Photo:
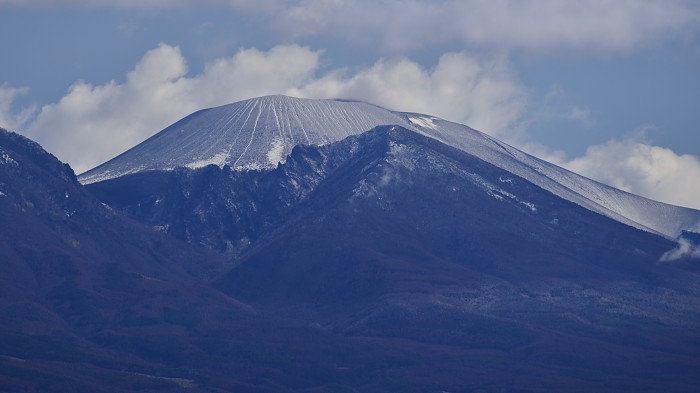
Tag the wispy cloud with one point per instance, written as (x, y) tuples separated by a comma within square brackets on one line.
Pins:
[(250, 5), (607, 25), (127, 28), (580, 114), (397, 26), (684, 250), (9, 118)]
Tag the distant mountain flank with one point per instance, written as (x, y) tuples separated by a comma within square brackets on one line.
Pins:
[(260, 132)]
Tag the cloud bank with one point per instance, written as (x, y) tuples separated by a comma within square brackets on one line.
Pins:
[(476, 91), (93, 123), (397, 26), (607, 25), (635, 165), (639, 167)]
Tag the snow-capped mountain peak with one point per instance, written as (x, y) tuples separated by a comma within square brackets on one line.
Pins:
[(260, 132)]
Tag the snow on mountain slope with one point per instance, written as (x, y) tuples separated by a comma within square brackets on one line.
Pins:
[(251, 134), (260, 132), (634, 210)]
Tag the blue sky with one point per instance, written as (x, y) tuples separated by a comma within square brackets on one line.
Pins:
[(608, 88)]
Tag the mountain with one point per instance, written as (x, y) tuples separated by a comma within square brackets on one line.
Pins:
[(78, 280), (406, 238), (395, 211), (462, 275), (93, 301), (260, 132), (414, 256)]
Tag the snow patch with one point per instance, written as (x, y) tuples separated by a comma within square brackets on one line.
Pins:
[(161, 228), (501, 194), (253, 166), (5, 159), (218, 160), (402, 155), (424, 122), (276, 153), (508, 180), (530, 206), (364, 189)]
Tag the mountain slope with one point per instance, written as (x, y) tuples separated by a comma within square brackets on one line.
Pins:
[(393, 195), (462, 274), (387, 261), (91, 301), (251, 134), (260, 132), (405, 238)]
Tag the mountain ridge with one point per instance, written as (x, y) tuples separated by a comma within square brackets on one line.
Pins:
[(259, 132)]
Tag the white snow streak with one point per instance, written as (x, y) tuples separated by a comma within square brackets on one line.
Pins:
[(218, 160), (425, 122), (276, 153), (252, 135)]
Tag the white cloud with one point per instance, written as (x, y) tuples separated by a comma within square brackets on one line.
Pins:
[(537, 149), (92, 124), (239, 5), (8, 118), (685, 249), (580, 114), (461, 88), (639, 167), (544, 25), (395, 26)]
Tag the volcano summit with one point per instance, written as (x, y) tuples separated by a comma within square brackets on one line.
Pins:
[(259, 133)]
